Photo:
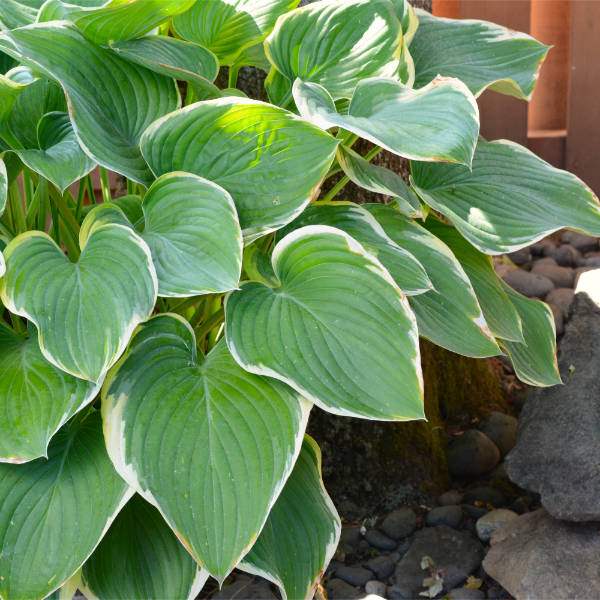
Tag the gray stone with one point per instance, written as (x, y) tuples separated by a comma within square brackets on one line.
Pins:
[(465, 594), (377, 588), (445, 515), (487, 524), (583, 243), (560, 276), (539, 248), (380, 540), (450, 497), (529, 284), (591, 261), (383, 566), (456, 553), (521, 257), (400, 523), (499, 473), (536, 556), (473, 511), (567, 256), (558, 443), (502, 430), (337, 589), (485, 494), (354, 575), (548, 259), (559, 318), (350, 535), (472, 453), (251, 588), (561, 297)]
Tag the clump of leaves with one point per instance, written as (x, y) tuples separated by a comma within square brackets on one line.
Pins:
[(160, 351)]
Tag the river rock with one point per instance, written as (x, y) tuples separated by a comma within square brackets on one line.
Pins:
[(338, 589), (383, 566), (456, 553), (561, 297), (535, 556), (567, 256), (529, 284), (450, 497), (400, 523), (380, 540), (493, 520), (560, 276), (558, 442), (583, 243), (464, 593), (502, 430), (354, 575), (252, 588), (486, 494), (445, 515), (472, 453), (559, 318), (521, 257), (377, 588)]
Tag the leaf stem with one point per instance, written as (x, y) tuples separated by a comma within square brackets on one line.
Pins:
[(16, 207), (215, 319), (233, 75), (5, 231), (90, 189), (106, 197)]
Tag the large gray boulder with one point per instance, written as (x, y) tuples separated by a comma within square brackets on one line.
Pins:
[(536, 556), (558, 445)]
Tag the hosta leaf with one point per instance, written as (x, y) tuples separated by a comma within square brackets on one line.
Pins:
[(268, 159), (337, 44), (12, 85), (255, 56), (449, 315), (479, 53), (337, 324), (3, 186), (379, 180), (111, 101), (406, 270), (140, 558), (36, 398), (200, 438), (116, 20), (509, 200), (60, 159), (534, 359), (439, 122), (85, 312), (54, 512), (499, 312), (174, 58), (408, 20), (16, 13), (228, 26), (301, 533)]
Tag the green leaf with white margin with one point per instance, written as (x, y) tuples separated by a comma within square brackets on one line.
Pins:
[(140, 558), (227, 27), (480, 53), (336, 324), (191, 227), (116, 20), (408, 20), (449, 315), (379, 180), (12, 85), (209, 444), (17, 13), (405, 269), (54, 512), (439, 122), (303, 523), (509, 200), (68, 590), (60, 159), (85, 312), (534, 360), (499, 312), (36, 398), (268, 159), (3, 186), (168, 56), (337, 44), (111, 101)]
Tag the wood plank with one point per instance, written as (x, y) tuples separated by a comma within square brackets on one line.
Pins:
[(445, 8)]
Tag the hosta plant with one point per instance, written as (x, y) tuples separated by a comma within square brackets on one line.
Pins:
[(161, 348)]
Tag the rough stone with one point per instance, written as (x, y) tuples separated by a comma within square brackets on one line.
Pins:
[(485, 494), (560, 276), (456, 553), (465, 594), (383, 566), (487, 524), (536, 556), (583, 243), (354, 575), (567, 256), (502, 430), (400, 523), (378, 588), (559, 318), (529, 284), (558, 443), (337, 589), (380, 540), (445, 515), (561, 297), (450, 497), (472, 453), (252, 588)]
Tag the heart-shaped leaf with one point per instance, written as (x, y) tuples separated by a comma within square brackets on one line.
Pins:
[(59, 158), (379, 180), (479, 53), (140, 557), (54, 512), (400, 119), (407, 271), (331, 329), (303, 523), (268, 159), (200, 438), (449, 315), (12, 85), (36, 398), (115, 20), (509, 200), (85, 312), (228, 26), (337, 44), (191, 227), (111, 101)]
